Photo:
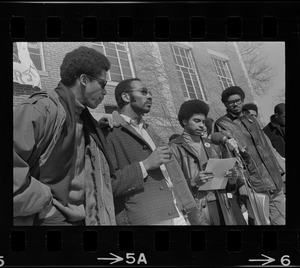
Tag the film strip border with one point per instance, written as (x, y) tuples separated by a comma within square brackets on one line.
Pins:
[(234, 21), (157, 247), (143, 21)]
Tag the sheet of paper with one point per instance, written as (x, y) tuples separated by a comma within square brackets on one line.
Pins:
[(219, 167)]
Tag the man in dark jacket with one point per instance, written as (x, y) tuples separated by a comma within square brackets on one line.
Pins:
[(192, 151), (264, 170), (150, 189), (61, 166), (275, 130)]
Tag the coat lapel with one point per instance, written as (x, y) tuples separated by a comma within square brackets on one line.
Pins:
[(94, 130), (120, 122)]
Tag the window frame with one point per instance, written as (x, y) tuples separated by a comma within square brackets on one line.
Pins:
[(127, 51), (191, 71), (42, 57)]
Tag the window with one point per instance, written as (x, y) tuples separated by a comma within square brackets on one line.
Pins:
[(223, 73), (119, 57), (36, 55), (187, 73), (110, 108)]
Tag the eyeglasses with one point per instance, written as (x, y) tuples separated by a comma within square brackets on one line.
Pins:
[(145, 91), (237, 102), (101, 82)]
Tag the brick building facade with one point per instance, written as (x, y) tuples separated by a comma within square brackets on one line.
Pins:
[(174, 71)]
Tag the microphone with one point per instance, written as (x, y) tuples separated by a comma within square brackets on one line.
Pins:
[(218, 138)]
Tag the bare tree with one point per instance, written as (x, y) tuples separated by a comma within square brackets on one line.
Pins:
[(150, 69), (280, 97), (259, 70)]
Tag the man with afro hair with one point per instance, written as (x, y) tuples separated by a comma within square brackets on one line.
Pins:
[(62, 171), (192, 151)]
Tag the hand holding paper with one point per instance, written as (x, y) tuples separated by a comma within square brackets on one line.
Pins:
[(219, 167), (202, 177)]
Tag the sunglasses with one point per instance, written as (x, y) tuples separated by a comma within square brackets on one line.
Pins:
[(144, 91), (101, 82)]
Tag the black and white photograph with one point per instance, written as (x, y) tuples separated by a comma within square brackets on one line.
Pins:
[(148, 133)]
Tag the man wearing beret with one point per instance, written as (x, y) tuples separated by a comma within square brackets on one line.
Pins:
[(262, 165)]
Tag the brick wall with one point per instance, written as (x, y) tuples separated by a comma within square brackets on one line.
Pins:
[(208, 75), (157, 71), (21, 92)]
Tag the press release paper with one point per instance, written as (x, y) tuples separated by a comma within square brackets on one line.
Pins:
[(219, 167)]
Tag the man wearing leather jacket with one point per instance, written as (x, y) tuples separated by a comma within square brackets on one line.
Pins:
[(192, 151), (263, 168)]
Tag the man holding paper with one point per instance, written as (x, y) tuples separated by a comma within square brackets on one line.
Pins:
[(214, 195)]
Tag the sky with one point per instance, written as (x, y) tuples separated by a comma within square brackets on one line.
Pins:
[(275, 55)]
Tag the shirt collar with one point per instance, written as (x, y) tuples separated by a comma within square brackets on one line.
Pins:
[(132, 122), (191, 138)]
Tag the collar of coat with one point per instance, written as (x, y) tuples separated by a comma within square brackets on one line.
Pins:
[(207, 145), (119, 121)]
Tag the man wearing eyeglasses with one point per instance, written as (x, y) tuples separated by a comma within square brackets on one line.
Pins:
[(61, 166), (264, 169), (150, 188)]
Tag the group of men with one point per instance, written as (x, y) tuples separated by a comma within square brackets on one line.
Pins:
[(70, 170)]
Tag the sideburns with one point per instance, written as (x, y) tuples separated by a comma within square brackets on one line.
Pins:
[(132, 98)]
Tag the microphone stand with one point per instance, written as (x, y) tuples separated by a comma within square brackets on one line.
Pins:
[(252, 198)]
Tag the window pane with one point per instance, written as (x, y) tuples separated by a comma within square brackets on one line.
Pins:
[(127, 77), (224, 80), (181, 52), (126, 71), (125, 63), (185, 63), (123, 48), (123, 55), (176, 50), (185, 94), (186, 76), (196, 84), (218, 71), (115, 77), (179, 61), (109, 45), (115, 69), (175, 59), (188, 82), (33, 47), (113, 60), (36, 59), (223, 72), (111, 52), (184, 70), (226, 72), (99, 48), (192, 96)]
